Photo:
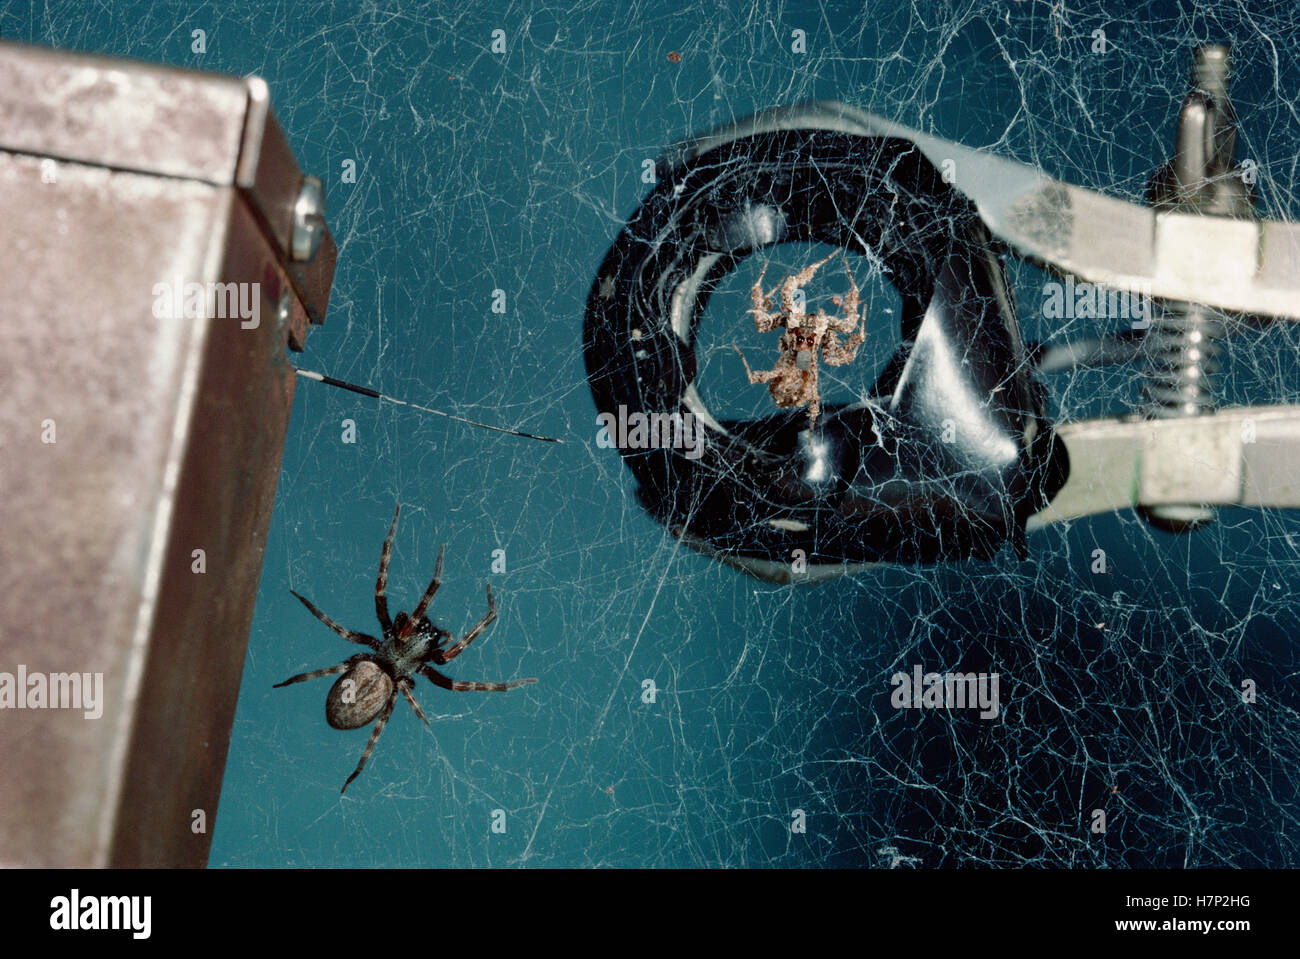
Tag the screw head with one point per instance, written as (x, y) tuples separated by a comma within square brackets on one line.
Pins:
[(308, 220)]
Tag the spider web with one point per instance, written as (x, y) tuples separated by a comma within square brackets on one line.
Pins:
[(480, 171)]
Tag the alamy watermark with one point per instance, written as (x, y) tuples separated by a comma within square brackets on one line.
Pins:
[(84, 691), (922, 690), (179, 300), (648, 431), (1071, 300), (76, 912)]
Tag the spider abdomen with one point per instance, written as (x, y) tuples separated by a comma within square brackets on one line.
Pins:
[(357, 697)]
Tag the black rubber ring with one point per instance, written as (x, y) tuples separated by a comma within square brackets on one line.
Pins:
[(861, 193)]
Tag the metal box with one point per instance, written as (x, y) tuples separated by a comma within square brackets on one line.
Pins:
[(140, 443)]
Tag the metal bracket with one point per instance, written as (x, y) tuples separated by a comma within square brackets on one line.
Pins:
[(141, 443)]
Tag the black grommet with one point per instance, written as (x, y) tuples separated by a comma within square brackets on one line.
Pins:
[(943, 472)]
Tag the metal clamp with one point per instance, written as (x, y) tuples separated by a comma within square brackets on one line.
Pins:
[(1198, 251)]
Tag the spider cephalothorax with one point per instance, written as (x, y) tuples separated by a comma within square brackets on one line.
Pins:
[(793, 381), (368, 688)]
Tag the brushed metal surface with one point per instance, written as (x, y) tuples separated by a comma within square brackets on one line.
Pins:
[(166, 437)]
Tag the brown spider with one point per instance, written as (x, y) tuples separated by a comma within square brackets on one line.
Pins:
[(370, 682), (793, 381)]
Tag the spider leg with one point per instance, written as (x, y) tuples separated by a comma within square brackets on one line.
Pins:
[(766, 322), (315, 674), (852, 300), (360, 639), (762, 301), (849, 322), (841, 354), (380, 723), (426, 599), (798, 280), (838, 354), (381, 584), (764, 319), (761, 377), (460, 686), (441, 656), (405, 686)]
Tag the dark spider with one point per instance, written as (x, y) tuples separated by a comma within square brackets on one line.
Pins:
[(371, 681)]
